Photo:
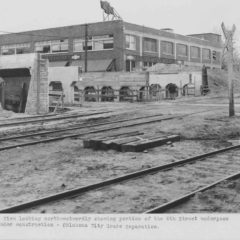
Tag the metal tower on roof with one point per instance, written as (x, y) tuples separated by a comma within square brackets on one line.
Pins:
[(109, 13)]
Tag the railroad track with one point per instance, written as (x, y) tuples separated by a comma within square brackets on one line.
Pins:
[(145, 190), (43, 119), (38, 137), (28, 139), (174, 204)]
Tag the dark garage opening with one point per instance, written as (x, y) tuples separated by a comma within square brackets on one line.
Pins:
[(14, 89)]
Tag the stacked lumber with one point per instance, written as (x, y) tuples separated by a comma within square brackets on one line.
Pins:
[(128, 141)]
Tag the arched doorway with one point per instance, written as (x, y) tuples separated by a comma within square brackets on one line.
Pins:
[(90, 94), (107, 94), (125, 94), (171, 91)]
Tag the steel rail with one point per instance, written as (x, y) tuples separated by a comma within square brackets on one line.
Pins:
[(176, 202), (30, 117), (50, 119), (76, 128), (123, 178), (83, 126), (79, 134)]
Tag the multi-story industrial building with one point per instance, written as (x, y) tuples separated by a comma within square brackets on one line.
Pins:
[(115, 46)]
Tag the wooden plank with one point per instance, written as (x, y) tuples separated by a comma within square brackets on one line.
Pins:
[(94, 142), (141, 145), (116, 144)]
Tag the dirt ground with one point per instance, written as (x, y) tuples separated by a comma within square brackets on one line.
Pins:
[(224, 198), (36, 171)]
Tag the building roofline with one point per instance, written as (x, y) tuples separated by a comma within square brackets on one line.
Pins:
[(59, 27), (204, 33), (170, 33)]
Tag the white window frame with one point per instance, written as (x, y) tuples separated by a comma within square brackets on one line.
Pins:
[(132, 42), (62, 42), (15, 47), (91, 42)]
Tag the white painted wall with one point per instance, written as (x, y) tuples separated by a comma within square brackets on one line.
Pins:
[(180, 79), (66, 75), (17, 61)]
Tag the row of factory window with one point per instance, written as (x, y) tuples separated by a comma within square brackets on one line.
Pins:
[(151, 45), (94, 43), (105, 42)]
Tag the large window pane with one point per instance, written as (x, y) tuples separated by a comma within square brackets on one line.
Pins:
[(150, 45), (167, 48), (95, 43), (206, 54), (52, 46), (15, 49), (108, 44), (182, 50), (130, 42), (77, 46), (195, 52)]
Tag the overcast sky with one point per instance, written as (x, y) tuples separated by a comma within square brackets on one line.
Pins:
[(184, 16)]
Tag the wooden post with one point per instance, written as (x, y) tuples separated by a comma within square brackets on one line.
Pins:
[(86, 48), (228, 34), (38, 79), (3, 95)]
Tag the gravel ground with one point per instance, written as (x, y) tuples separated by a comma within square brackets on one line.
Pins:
[(36, 171), (224, 198)]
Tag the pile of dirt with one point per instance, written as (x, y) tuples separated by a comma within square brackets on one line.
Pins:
[(172, 68), (7, 114), (218, 81)]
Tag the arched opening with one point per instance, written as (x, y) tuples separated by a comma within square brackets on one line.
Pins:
[(125, 94), (14, 86), (155, 90), (55, 86), (90, 94), (107, 94), (171, 91)]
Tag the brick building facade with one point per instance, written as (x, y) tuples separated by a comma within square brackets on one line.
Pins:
[(115, 46)]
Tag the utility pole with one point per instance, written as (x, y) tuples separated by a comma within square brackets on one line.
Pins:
[(228, 34), (86, 48)]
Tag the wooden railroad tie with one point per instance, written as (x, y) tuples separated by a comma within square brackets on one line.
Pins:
[(128, 142)]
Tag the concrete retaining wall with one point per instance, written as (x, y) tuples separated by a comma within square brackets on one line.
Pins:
[(37, 99), (180, 79)]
